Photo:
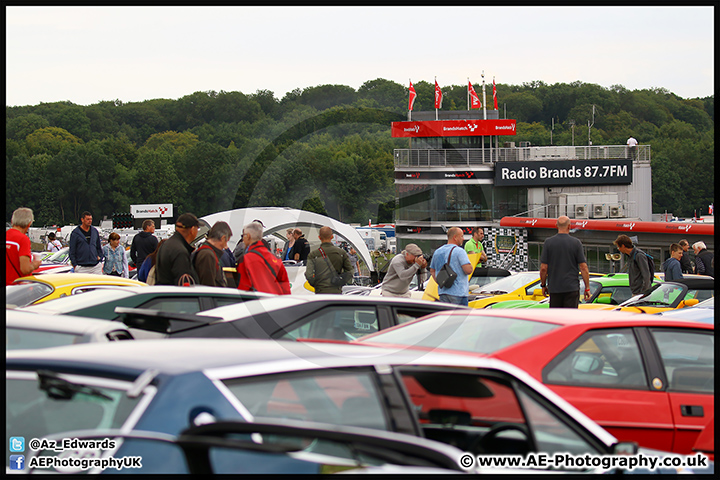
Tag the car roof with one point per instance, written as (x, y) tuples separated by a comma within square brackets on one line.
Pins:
[(700, 283), (278, 302), (68, 324), (569, 317)]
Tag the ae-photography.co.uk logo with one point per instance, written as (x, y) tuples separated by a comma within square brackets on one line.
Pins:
[(17, 444)]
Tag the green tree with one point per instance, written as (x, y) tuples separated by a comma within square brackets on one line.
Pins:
[(50, 140)]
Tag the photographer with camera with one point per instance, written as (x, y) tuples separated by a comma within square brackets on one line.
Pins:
[(401, 270)]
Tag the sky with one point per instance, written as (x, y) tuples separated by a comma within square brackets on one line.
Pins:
[(90, 54)]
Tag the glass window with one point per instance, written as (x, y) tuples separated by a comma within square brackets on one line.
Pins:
[(344, 399), (469, 333), (336, 324), (173, 305), (462, 409), (25, 293), (688, 358), (511, 283), (32, 413), (17, 338), (599, 358), (552, 435)]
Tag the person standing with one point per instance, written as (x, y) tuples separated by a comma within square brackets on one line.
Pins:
[(686, 265), (561, 259), (474, 245), (144, 243), (457, 293), (301, 247), (671, 267), (632, 147), (85, 250), (207, 258), (259, 269), (18, 248), (54, 244), (172, 263), (401, 271), (327, 262), (354, 262), (116, 262), (289, 242), (639, 273), (704, 264)]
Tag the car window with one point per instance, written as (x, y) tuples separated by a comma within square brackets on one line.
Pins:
[(16, 338), (405, 315), (613, 295), (664, 295), (688, 359), (511, 283), (599, 358), (230, 300), (25, 293), (173, 304), (349, 398), (552, 435), (701, 295), (469, 333), (33, 413), (483, 414), (346, 323)]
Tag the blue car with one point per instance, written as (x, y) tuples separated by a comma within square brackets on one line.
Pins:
[(167, 387)]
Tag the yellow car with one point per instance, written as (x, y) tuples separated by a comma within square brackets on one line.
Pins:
[(520, 286), (41, 288), (663, 297)]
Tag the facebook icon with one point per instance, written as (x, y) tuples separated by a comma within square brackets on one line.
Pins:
[(17, 462)]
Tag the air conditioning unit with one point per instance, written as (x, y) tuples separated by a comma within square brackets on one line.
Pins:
[(599, 211), (616, 211), (581, 211)]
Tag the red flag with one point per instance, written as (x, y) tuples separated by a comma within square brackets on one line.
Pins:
[(438, 96), (494, 94), (474, 99), (412, 97)]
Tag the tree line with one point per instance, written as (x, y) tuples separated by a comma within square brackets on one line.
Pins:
[(325, 149)]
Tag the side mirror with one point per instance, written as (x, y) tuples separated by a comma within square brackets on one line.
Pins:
[(625, 448), (689, 302), (538, 292), (605, 300)]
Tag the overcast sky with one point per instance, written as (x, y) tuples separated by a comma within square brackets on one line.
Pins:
[(90, 54)]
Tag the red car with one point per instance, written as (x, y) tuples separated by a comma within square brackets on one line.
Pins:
[(641, 377)]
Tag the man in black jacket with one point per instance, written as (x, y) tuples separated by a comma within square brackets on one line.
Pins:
[(144, 243), (301, 248), (685, 263), (173, 265), (704, 264)]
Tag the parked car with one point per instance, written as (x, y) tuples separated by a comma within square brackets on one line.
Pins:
[(664, 296), (32, 330), (611, 289), (41, 288), (58, 262), (101, 303), (644, 378), (476, 404), (702, 312), (287, 317), (284, 447), (519, 286)]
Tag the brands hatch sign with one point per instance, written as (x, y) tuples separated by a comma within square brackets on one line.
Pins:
[(564, 172), (453, 128), (160, 210)]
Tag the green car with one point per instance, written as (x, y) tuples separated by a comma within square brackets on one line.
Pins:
[(611, 289)]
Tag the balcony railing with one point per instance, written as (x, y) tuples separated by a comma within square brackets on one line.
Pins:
[(488, 156)]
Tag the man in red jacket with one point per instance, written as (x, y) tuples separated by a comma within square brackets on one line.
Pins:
[(259, 269)]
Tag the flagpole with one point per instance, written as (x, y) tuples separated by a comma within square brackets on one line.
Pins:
[(484, 101), (436, 109), (410, 110), (468, 95)]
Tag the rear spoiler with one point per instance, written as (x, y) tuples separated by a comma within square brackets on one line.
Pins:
[(162, 322)]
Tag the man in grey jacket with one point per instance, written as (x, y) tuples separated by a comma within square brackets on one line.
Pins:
[(401, 271), (639, 274)]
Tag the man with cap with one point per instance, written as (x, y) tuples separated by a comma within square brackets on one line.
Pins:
[(172, 263), (401, 271)]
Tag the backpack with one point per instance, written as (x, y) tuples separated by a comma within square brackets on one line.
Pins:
[(650, 261)]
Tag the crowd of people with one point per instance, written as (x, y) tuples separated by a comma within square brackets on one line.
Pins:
[(254, 267)]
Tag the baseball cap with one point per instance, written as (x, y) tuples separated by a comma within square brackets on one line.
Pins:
[(187, 220)]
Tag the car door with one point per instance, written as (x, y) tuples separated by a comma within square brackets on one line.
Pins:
[(603, 373), (688, 362)]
